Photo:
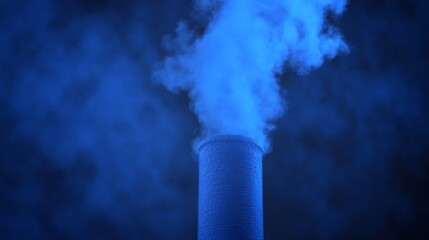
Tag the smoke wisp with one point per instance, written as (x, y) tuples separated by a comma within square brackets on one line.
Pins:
[(229, 71)]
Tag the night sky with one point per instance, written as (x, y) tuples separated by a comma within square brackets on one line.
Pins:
[(91, 147)]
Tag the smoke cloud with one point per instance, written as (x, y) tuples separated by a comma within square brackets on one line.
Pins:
[(92, 148), (230, 70)]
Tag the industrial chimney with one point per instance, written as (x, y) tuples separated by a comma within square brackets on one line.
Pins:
[(230, 188)]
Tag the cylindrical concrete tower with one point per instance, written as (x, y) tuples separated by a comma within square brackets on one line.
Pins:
[(230, 189)]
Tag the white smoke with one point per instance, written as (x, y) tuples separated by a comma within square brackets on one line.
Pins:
[(229, 71)]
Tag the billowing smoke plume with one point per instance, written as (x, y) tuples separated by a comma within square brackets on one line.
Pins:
[(230, 70)]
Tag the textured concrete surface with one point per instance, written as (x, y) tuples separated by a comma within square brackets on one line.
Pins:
[(230, 189)]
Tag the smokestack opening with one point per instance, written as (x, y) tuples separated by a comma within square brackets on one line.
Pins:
[(230, 188)]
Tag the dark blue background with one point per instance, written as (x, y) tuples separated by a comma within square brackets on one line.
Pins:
[(92, 148)]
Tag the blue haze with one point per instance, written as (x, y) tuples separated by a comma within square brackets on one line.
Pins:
[(92, 148), (86, 136)]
